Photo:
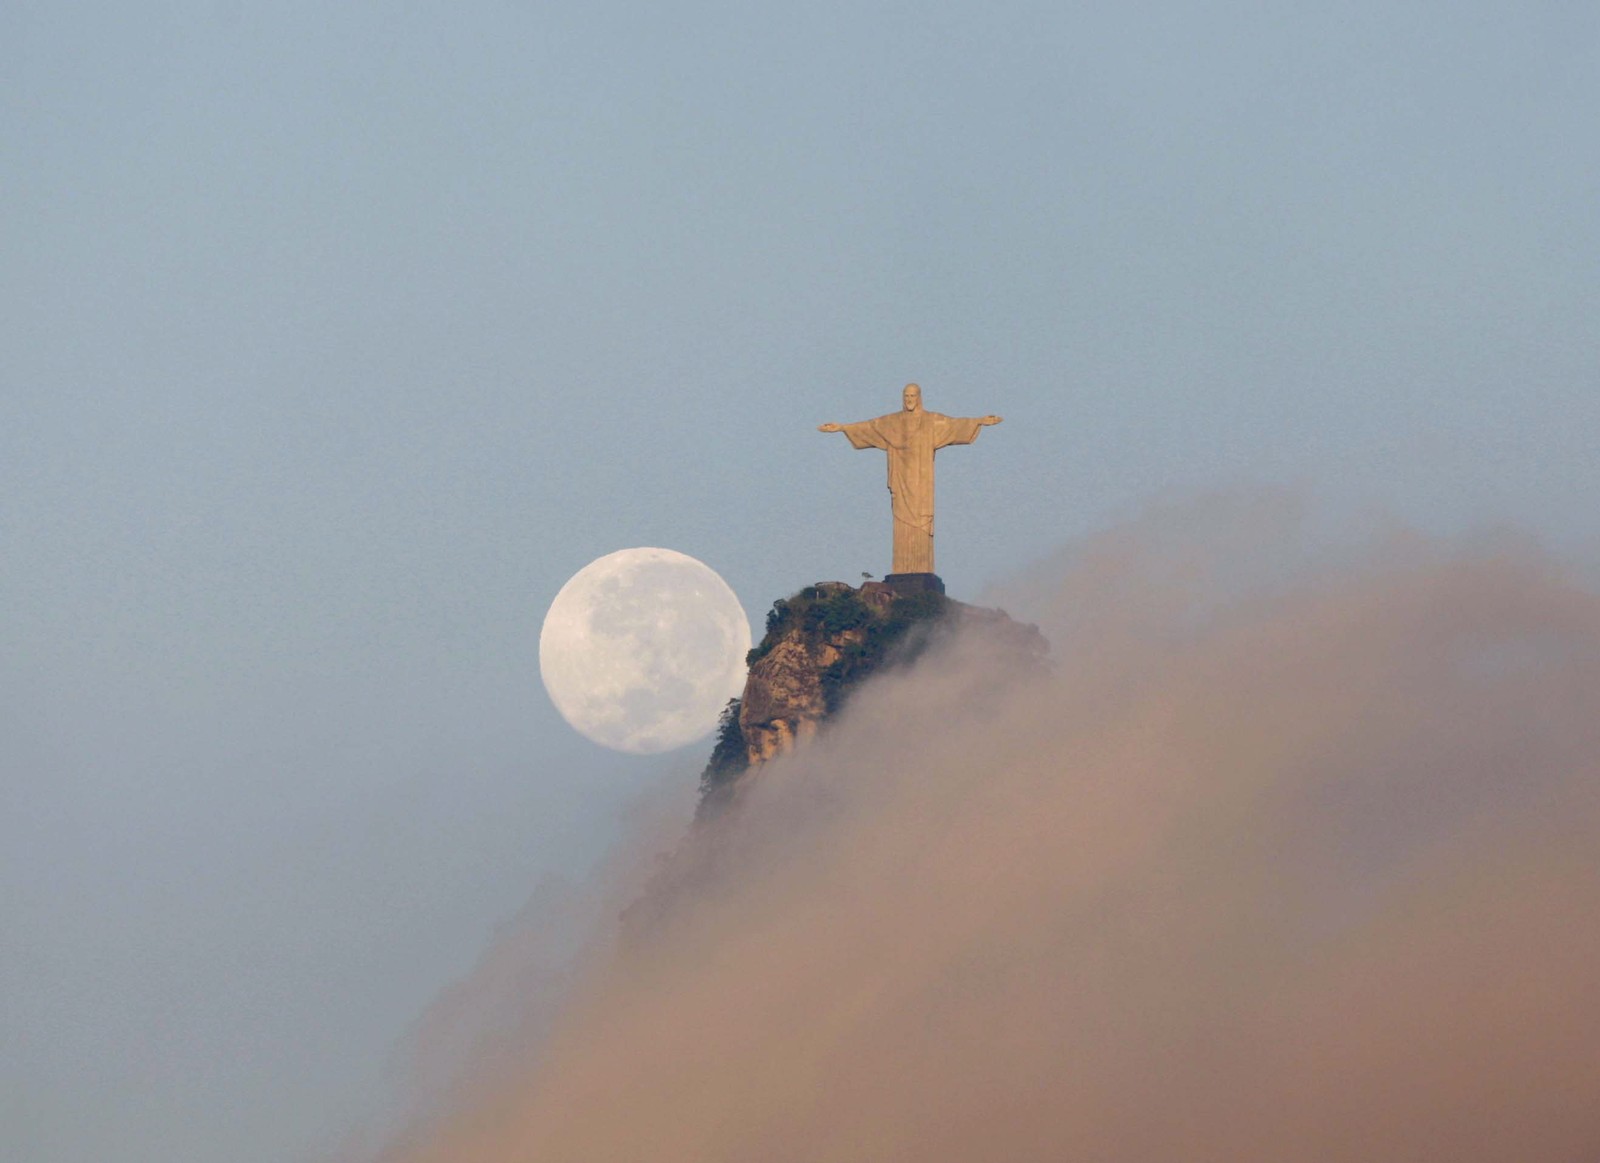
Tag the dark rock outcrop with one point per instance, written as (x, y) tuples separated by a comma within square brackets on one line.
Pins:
[(820, 645)]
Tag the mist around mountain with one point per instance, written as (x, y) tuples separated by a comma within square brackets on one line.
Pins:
[(1287, 855)]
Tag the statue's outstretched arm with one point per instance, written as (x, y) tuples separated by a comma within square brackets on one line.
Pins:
[(950, 430), (862, 434)]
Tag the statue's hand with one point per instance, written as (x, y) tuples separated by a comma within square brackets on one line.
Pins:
[(830, 427), (988, 420)]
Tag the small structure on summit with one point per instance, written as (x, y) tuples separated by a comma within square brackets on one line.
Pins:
[(911, 436)]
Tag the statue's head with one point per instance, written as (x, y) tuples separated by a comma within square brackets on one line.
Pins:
[(912, 398)]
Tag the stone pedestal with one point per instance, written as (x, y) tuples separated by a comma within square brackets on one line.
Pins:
[(915, 583)]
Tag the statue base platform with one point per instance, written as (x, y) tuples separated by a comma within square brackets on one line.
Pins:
[(915, 583)]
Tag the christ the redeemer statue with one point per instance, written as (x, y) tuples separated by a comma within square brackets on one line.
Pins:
[(911, 436)]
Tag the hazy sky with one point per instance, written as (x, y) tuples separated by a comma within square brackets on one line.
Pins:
[(334, 338)]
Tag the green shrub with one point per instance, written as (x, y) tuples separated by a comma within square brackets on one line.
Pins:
[(896, 636), (729, 758)]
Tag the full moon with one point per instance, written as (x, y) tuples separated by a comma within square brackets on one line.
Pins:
[(642, 649)]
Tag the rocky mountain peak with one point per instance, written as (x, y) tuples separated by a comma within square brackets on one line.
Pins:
[(820, 645)]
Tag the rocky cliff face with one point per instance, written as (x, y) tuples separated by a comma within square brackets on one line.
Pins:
[(821, 644), (784, 696)]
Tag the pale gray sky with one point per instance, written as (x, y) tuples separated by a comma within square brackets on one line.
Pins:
[(334, 338)]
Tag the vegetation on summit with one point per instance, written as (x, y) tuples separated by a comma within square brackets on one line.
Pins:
[(866, 637)]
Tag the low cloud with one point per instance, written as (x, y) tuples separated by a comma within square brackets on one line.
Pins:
[(1291, 857)]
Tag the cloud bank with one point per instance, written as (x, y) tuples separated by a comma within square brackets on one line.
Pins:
[(1291, 857)]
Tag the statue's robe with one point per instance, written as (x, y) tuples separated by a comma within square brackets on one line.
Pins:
[(911, 439)]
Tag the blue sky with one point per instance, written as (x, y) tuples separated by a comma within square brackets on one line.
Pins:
[(333, 339)]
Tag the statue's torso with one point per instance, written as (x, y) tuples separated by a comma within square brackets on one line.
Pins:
[(910, 433)]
